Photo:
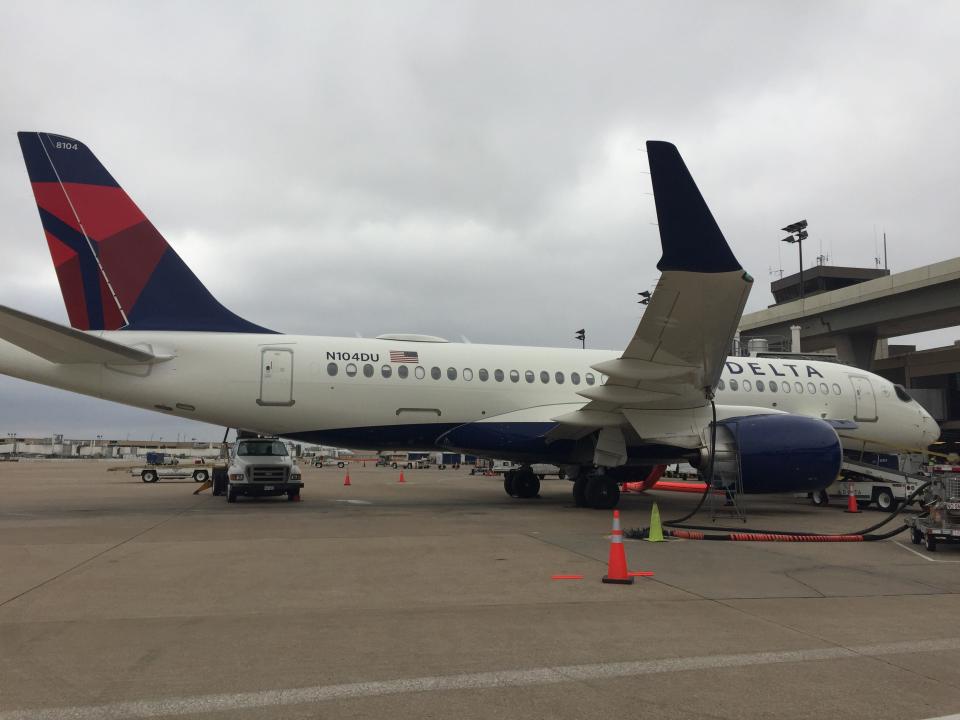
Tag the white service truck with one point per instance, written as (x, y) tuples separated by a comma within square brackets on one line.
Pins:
[(262, 467)]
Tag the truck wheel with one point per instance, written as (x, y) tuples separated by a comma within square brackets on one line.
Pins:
[(916, 537), (231, 495), (341, 464), (293, 495), (393, 465), (883, 497), (149, 476), (930, 542), (820, 498), (200, 475)]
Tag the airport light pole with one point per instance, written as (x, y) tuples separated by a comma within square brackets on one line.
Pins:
[(582, 337), (798, 234)]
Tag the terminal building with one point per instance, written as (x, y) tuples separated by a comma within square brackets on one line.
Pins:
[(852, 313)]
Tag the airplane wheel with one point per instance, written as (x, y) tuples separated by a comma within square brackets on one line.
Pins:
[(580, 492), (820, 498), (508, 478), (526, 485), (602, 494)]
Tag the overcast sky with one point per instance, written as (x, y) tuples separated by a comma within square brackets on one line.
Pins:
[(473, 169)]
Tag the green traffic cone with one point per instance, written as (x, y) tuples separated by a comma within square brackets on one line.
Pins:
[(656, 530)]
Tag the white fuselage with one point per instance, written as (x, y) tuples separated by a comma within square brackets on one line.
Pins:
[(285, 384)]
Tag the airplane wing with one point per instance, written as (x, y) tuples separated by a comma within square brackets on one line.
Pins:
[(64, 345), (676, 355)]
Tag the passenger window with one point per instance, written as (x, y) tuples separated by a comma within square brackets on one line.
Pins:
[(559, 377), (746, 386), (544, 376), (811, 388), (734, 384), (368, 370), (386, 371), (332, 369), (435, 372), (514, 376), (799, 387), (528, 376), (759, 385), (467, 374), (720, 385), (603, 379), (575, 378), (785, 387), (824, 389), (451, 373), (483, 375), (498, 375), (351, 369), (773, 386), (403, 371), (419, 372), (836, 389), (590, 378)]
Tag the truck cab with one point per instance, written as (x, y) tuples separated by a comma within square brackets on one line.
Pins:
[(262, 467)]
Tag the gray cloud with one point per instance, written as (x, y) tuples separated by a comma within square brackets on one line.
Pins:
[(475, 168)]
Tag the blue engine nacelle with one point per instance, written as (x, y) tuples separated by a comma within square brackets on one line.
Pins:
[(785, 453)]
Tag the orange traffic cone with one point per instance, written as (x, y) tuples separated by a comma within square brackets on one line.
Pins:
[(346, 479), (852, 506), (617, 572), (401, 480)]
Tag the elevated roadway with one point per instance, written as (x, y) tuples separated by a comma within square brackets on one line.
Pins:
[(852, 319)]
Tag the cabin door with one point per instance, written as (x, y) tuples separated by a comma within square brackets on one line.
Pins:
[(276, 377), (866, 400)]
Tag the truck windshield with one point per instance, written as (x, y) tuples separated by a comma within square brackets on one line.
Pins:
[(261, 448)]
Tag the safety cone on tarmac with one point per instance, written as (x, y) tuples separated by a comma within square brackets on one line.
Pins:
[(346, 479), (617, 572), (852, 506), (656, 529), (401, 480)]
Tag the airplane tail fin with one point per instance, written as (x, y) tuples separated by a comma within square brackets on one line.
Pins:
[(115, 269)]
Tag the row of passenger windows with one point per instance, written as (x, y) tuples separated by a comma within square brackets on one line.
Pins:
[(783, 386), (420, 372)]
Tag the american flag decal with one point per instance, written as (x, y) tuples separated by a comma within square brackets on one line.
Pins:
[(404, 356)]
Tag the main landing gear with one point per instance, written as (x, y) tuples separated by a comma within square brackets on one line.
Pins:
[(521, 483), (595, 491), (591, 490)]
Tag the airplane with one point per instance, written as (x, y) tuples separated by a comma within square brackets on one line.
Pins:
[(146, 332)]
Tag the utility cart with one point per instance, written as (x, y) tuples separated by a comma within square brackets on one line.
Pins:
[(942, 521)]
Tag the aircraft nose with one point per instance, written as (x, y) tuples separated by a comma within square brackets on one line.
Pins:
[(929, 429)]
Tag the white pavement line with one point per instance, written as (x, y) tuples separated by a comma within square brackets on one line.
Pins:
[(469, 681), (925, 557)]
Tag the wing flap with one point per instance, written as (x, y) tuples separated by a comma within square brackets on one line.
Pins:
[(64, 345)]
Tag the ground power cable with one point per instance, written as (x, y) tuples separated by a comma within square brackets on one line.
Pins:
[(676, 528)]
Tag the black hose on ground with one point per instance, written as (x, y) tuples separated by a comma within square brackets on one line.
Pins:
[(673, 528)]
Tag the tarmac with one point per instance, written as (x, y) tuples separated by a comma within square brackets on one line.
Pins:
[(433, 598)]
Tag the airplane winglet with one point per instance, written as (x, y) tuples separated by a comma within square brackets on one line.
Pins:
[(689, 236), (64, 345)]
